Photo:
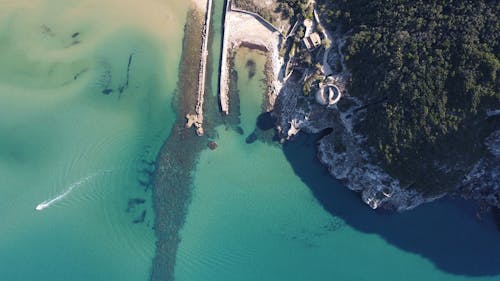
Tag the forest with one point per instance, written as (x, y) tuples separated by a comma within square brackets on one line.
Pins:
[(428, 73)]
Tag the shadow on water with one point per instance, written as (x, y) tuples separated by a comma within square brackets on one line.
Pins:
[(442, 232)]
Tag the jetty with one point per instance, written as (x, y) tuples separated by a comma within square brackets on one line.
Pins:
[(224, 67), (196, 119)]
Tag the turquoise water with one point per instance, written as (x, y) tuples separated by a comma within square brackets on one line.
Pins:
[(81, 153), (86, 91), (260, 212)]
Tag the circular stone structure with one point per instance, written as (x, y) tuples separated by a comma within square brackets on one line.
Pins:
[(334, 94), (320, 96), (328, 94)]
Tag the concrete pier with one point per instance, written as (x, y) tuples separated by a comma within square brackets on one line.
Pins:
[(224, 70)]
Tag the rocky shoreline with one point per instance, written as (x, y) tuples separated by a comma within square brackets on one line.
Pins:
[(298, 113), (349, 158), (482, 183), (343, 151)]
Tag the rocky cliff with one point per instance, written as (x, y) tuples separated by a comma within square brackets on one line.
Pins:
[(483, 181), (349, 159)]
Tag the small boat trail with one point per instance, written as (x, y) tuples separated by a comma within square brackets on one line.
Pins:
[(69, 189)]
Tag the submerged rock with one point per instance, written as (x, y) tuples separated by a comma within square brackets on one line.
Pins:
[(141, 218), (266, 121), (134, 202), (107, 91), (251, 138), (240, 130), (212, 145)]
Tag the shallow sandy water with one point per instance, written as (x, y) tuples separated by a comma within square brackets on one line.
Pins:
[(66, 143)]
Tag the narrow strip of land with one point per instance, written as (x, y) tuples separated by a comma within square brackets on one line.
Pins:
[(197, 118)]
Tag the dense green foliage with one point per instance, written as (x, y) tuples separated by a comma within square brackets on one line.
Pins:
[(294, 8), (428, 72), (249, 5), (278, 12)]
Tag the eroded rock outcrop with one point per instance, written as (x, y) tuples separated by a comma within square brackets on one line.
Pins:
[(483, 181), (343, 151), (350, 160)]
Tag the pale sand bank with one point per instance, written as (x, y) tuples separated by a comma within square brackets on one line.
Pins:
[(200, 4), (51, 24)]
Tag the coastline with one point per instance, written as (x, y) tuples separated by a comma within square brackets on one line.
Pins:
[(248, 31)]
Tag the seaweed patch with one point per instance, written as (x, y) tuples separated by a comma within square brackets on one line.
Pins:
[(124, 86)]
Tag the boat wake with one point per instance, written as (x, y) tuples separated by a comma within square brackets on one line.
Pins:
[(48, 203)]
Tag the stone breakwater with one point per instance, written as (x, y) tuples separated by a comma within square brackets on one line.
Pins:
[(196, 119), (172, 182), (242, 28)]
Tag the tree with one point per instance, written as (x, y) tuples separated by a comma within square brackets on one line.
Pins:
[(427, 76), (326, 43)]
